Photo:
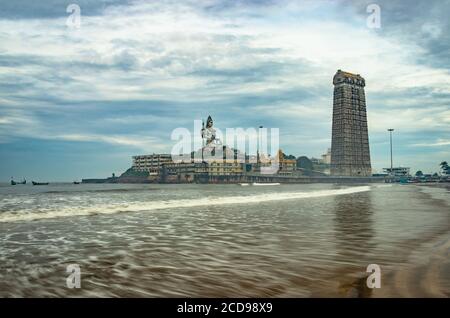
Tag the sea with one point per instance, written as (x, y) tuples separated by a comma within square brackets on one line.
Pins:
[(200, 240)]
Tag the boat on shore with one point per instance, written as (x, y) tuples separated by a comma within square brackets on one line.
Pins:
[(16, 182), (39, 183)]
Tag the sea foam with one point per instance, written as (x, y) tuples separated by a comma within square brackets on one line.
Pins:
[(174, 204)]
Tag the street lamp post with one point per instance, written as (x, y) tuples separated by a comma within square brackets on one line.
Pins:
[(258, 159), (390, 138)]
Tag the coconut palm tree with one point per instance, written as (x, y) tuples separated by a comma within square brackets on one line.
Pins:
[(445, 167)]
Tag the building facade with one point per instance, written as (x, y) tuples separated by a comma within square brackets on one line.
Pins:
[(326, 157), (188, 172), (350, 154), (225, 168), (185, 172), (398, 171), (286, 166), (151, 163)]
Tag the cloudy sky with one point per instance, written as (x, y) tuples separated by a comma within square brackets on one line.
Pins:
[(79, 102)]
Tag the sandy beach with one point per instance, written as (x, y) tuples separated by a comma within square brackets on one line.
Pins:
[(224, 240)]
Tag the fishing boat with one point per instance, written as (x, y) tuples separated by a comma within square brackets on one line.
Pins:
[(76, 182), (243, 184), (21, 182), (39, 183), (265, 184)]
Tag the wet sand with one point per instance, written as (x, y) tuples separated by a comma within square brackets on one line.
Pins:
[(444, 185), (424, 274), (427, 273), (164, 243)]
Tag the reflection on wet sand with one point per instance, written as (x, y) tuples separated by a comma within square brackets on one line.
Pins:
[(354, 232)]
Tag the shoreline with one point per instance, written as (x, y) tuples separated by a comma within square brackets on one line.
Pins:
[(444, 185), (412, 265), (424, 272), (427, 273)]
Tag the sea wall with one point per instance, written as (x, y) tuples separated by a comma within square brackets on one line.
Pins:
[(243, 178)]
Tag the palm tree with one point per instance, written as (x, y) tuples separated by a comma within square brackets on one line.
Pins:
[(445, 167)]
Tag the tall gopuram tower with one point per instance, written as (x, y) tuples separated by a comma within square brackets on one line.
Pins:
[(350, 154)]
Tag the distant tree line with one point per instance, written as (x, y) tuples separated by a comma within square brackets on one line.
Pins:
[(444, 167)]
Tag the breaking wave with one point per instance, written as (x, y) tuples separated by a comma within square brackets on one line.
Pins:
[(173, 204)]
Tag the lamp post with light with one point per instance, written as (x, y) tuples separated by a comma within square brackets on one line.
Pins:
[(390, 139)]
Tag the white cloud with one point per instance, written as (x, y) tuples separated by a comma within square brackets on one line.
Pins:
[(191, 39), (410, 119), (432, 29), (177, 52), (145, 144), (438, 143)]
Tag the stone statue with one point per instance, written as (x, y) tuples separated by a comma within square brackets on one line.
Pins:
[(212, 142), (209, 133)]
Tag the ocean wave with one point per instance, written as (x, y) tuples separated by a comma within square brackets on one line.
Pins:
[(88, 191), (174, 204)]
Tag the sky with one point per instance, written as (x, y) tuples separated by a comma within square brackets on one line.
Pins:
[(80, 102)]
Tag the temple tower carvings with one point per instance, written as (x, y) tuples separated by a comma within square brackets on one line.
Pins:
[(350, 154)]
